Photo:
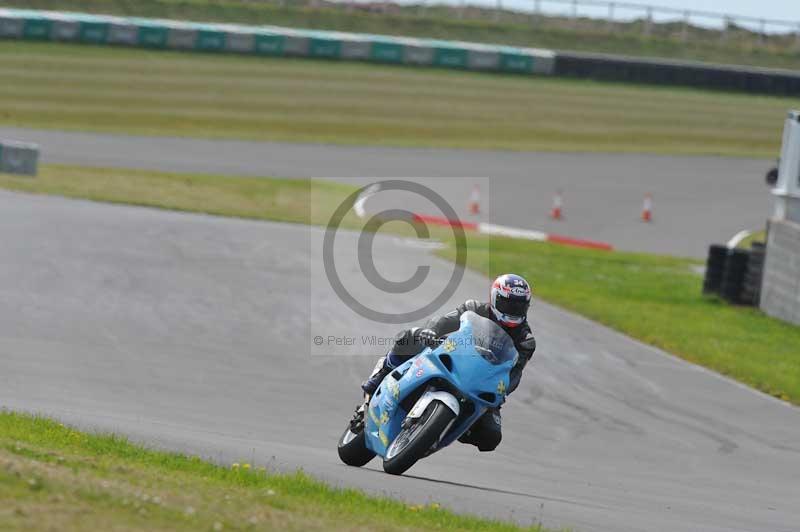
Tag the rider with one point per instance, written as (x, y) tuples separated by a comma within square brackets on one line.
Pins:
[(508, 307)]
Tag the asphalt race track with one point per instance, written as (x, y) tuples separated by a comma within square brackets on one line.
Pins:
[(195, 333), (697, 200)]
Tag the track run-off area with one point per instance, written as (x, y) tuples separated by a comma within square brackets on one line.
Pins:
[(698, 200), (193, 333)]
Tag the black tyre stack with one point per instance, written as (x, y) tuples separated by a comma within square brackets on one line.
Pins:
[(715, 267), (733, 275), (751, 286)]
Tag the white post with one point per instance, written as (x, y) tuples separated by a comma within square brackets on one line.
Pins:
[(610, 24), (648, 25), (787, 189), (685, 31), (537, 11), (797, 37), (726, 22)]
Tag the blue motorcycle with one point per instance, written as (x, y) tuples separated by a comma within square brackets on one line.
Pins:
[(431, 400)]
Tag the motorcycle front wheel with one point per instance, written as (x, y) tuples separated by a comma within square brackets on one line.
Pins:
[(353, 449), (414, 442)]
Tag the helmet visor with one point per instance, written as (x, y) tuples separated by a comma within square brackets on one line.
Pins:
[(512, 307)]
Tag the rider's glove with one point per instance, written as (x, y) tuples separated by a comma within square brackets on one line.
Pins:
[(427, 337)]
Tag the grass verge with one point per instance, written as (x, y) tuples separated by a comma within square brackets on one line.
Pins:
[(757, 237), (72, 87), (442, 22), (55, 477), (286, 200), (652, 298)]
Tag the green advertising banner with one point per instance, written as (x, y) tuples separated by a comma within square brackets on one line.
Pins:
[(37, 28), (152, 36), (94, 32), (266, 40), (386, 52), (210, 41)]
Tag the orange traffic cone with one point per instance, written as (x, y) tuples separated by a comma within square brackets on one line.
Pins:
[(647, 208), (558, 203), (475, 200)]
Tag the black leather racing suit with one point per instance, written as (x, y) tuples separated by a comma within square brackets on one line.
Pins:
[(486, 432)]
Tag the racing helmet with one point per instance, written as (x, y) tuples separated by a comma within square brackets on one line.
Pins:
[(510, 299)]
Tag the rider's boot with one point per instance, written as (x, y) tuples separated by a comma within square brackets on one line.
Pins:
[(486, 433), (406, 345), (382, 369)]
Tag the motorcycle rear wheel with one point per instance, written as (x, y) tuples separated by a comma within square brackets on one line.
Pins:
[(414, 442)]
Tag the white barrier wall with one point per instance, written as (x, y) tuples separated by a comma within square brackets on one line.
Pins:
[(780, 288)]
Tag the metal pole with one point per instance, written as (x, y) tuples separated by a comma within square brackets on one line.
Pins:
[(763, 34), (797, 37), (575, 14), (610, 23), (537, 12), (648, 24), (685, 31), (498, 10), (725, 25)]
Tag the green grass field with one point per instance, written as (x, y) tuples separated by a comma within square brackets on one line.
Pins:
[(739, 47), (652, 298), (657, 300), (53, 477), (204, 95)]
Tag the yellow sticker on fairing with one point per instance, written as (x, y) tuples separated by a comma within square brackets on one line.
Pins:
[(501, 387), (449, 346), (395, 389), (374, 417)]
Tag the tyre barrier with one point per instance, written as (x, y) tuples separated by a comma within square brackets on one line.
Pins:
[(751, 287), (269, 41), (606, 67), (715, 266), (735, 274), (19, 158)]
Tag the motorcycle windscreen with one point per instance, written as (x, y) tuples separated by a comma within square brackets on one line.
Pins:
[(489, 340), (483, 355)]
